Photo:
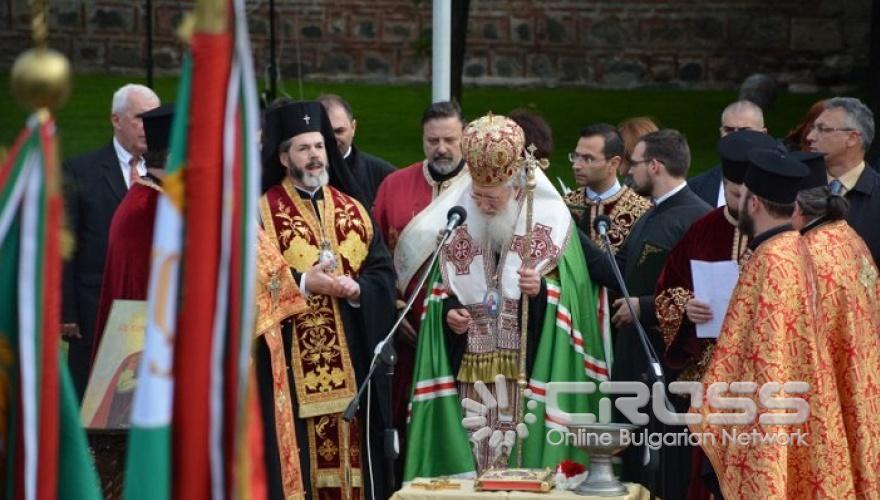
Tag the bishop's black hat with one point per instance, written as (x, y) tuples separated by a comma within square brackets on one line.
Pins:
[(287, 119), (816, 163), (774, 175), (734, 150), (157, 127)]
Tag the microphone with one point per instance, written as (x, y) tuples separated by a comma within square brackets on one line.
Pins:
[(454, 218), (601, 224)]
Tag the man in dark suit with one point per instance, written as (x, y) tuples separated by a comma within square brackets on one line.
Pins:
[(659, 165), (94, 184), (739, 115), (368, 170), (843, 132)]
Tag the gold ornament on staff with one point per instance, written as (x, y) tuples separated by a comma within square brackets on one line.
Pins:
[(40, 75), (530, 163)]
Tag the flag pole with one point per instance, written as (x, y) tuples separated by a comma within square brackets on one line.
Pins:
[(40, 82), (441, 51)]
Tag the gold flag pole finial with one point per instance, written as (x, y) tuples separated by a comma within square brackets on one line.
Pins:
[(211, 16), (40, 75)]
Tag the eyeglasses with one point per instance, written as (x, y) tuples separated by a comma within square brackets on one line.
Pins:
[(489, 199), (633, 162), (587, 159), (822, 129)]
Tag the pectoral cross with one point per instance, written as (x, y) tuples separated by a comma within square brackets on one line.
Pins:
[(307, 118), (274, 287)]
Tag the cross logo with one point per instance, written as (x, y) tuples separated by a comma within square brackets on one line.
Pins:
[(307, 118)]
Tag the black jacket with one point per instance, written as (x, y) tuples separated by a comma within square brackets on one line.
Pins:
[(707, 184), (93, 188), (864, 210), (662, 227), (369, 171)]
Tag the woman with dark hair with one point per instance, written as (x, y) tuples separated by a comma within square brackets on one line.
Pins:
[(536, 130), (848, 319), (819, 205)]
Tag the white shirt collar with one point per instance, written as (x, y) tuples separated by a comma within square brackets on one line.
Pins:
[(592, 195), (347, 154), (722, 200), (670, 194), (124, 158)]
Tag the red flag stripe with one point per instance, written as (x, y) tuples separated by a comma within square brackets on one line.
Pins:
[(47, 472), (211, 55), (434, 388)]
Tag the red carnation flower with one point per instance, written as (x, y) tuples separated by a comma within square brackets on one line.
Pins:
[(571, 468)]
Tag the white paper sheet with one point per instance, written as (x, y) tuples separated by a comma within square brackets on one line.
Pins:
[(713, 284)]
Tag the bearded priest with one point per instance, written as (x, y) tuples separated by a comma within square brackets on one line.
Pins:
[(467, 410), (770, 351), (345, 271)]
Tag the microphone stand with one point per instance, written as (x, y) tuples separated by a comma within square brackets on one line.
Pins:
[(384, 353), (655, 374)]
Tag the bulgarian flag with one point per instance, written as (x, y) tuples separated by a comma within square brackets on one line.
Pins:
[(203, 278), (437, 444), (570, 350), (43, 447), (148, 467)]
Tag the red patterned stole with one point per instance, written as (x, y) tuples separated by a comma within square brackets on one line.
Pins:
[(278, 298), (848, 291), (324, 379), (771, 333)]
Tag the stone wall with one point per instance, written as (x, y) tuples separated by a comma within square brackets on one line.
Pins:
[(624, 43)]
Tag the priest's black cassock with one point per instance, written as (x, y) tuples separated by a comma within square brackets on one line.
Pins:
[(368, 171), (641, 258)]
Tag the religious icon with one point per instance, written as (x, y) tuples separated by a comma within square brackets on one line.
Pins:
[(326, 255), (110, 392), (492, 303)]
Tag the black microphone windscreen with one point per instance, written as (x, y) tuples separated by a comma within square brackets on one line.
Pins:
[(457, 210), (601, 219)]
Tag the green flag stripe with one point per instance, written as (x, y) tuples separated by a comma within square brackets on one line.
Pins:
[(437, 444)]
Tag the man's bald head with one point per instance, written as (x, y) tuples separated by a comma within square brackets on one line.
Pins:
[(742, 115)]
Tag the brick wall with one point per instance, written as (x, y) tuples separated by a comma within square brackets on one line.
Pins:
[(624, 43)]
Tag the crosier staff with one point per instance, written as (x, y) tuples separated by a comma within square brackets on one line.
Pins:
[(530, 163)]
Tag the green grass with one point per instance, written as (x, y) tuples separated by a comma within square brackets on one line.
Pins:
[(388, 115)]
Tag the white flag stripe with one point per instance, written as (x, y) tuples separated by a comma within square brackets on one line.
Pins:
[(252, 173), (435, 394), (434, 381), (27, 311), (153, 397)]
